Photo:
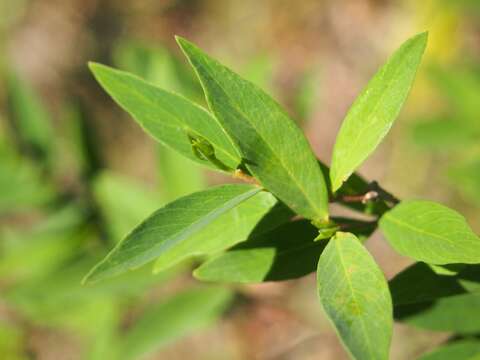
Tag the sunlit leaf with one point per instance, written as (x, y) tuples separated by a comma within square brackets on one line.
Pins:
[(167, 117), (273, 148), (430, 232), (170, 225), (355, 296), (374, 111)]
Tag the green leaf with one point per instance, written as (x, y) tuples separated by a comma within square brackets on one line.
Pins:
[(168, 226), (273, 148), (174, 318), (167, 117), (255, 216), (287, 252), (454, 313), (31, 119), (430, 232), (354, 294), (32, 252), (374, 111), (22, 184), (458, 350)]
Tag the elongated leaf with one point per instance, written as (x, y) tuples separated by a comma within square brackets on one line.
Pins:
[(458, 350), (30, 117), (287, 252), (355, 296), (374, 111), (454, 313), (430, 232), (167, 117), (178, 316), (273, 148), (257, 215), (170, 225)]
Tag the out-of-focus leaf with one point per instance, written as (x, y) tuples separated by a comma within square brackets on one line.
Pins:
[(454, 313), (30, 117), (273, 148), (374, 111), (461, 86), (11, 342), (257, 215), (430, 232), (170, 225), (307, 94), (123, 202), (458, 350), (172, 319), (287, 252), (355, 296), (22, 185), (35, 252), (157, 65), (167, 117), (259, 70), (465, 176), (443, 134), (178, 175)]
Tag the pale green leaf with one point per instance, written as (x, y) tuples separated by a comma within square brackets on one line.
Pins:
[(255, 216), (430, 232), (172, 319), (170, 225), (374, 111), (273, 148), (167, 117), (355, 296)]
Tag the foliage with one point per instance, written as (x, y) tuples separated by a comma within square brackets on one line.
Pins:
[(246, 134)]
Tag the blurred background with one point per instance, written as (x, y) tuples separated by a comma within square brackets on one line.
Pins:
[(76, 173)]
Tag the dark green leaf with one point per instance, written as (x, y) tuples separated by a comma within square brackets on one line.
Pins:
[(287, 252), (355, 296), (374, 111), (419, 283), (430, 232), (454, 313), (170, 225), (273, 148)]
